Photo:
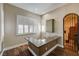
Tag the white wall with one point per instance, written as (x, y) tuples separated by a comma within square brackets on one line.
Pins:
[(58, 14)]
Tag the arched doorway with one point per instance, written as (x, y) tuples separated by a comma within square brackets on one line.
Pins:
[(71, 33)]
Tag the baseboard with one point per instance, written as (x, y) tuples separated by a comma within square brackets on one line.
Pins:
[(46, 53), (15, 46), (61, 46), (2, 53), (32, 51)]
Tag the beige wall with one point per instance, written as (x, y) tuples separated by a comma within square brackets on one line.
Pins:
[(58, 15), (11, 12)]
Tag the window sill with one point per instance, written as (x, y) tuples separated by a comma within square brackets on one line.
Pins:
[(24, 34)]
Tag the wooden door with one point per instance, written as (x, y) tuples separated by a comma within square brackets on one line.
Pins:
[(70, 32)]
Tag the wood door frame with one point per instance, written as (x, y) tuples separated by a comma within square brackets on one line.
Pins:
[(63, 25)]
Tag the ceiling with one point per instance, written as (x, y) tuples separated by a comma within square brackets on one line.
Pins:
[(38, 8)]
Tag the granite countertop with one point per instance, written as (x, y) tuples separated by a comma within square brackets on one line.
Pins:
[(42, 40)]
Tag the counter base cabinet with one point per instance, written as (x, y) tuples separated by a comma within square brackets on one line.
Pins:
[(42, 49)]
